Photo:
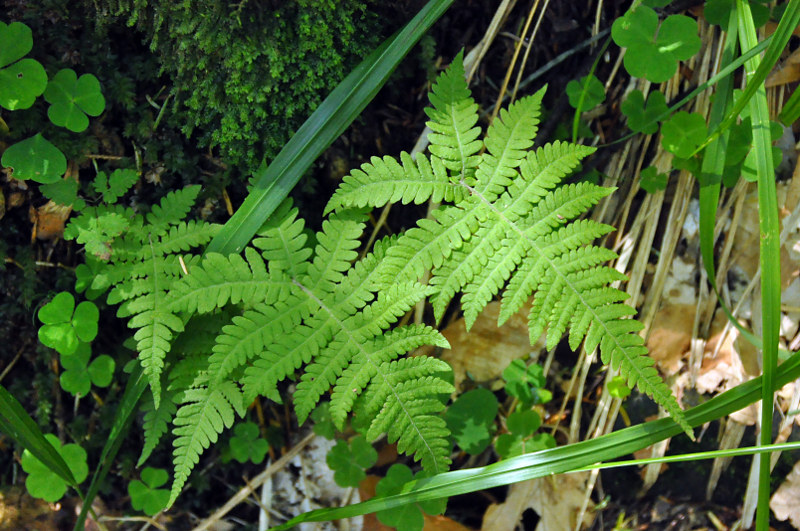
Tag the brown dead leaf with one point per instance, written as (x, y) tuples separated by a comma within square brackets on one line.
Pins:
[(557, 501), (788, 71), (785, 503), (48, 220), (671, 336), (487, 349)]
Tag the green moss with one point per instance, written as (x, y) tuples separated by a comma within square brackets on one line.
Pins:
[(246, 75)]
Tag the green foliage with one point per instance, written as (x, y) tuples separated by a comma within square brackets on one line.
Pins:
[(408, 517), (35, 158), (526, 383), (116, 185), (522, 437), (21, 80), (643, 118), (79, 375), (653, 51), (280, 59), (617, 387), (683, 133), (247, 444), (323, 422), (718, 12), (145, 494), (65, 326), (64, 192), (46, 484), (71, 98), (652, 181), (470, 420), (349, 460), (511, 224), (586, 93)]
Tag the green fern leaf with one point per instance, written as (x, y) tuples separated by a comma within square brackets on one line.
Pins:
[(156, 422), (172, 209)]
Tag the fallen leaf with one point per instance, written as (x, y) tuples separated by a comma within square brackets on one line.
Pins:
[(785, 503), (557, 501), (48, 220), (788, 71), (487, 349), (671, 336)]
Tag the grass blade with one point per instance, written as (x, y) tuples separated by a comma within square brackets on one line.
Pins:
[(770, 249), (558, 460), (272, 184), (17, 424)]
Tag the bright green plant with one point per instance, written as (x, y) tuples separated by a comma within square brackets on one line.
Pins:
[(146, 496), (652, 50), (348, 460), (46, 484), (470, 420), (683, 133), (21, 80), (247, 444), (643, 117), (408, 517), (65, 325), (652, 181), (79, 375), (586, 93), (526, 383), (35, 158), (72, 98), (522, 437)]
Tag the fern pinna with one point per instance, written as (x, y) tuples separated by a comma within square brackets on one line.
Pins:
[(507, 221), (319, 306)]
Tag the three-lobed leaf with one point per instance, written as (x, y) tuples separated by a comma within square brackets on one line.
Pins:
[(349, 460), (586, 93), (408, 517), (146, 496), (470, 420), (643, 117), (247, 444), (65, 326), (44, 483), (72, 98), (21, 80)]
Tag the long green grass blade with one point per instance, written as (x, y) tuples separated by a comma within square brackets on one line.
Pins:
[(17, 424), (122, 423), (770, 250), (273, 183), (558, 460), (791, 109)]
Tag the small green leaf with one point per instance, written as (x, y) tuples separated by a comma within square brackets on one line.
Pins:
[(60, 337), (524, 423), (35, 158), (247, 444), (101, 370), (348, 461), (644, 118), (58, 310), (116, 185), (323, 422), (407, 517), (470, 420), (76, 378), (72, 98), (525, 383), (21, 80), (683, 133), (618, 388), (85, 321), (145, 495), (652, 181), (45, 484), (64, 192), (652, 52), (590, 89)]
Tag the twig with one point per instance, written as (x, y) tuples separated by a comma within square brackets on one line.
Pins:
[(256, 482)]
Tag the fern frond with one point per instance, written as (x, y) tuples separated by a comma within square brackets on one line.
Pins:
[(452, 119), (384, 180), (156, 421), (404, 403), (283, 243), (186, 235), (172, 208), (205, 412), (220, 280), (336, 245)]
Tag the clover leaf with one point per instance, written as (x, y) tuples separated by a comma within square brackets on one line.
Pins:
[(79, 374), (652, 51), (643, 118), (618, 388), (35, 158), (145, 494), (585, 94), (683, 133), (521, 439), (348, 461), (247, 444), (652, 181), (46, 484), (406, 517), (65, 325), (470, 420), (116, 185), (71, 98), (526, 383), (21, 80), (323, 422)]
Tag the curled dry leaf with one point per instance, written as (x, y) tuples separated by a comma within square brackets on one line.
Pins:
[(785, 503)]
